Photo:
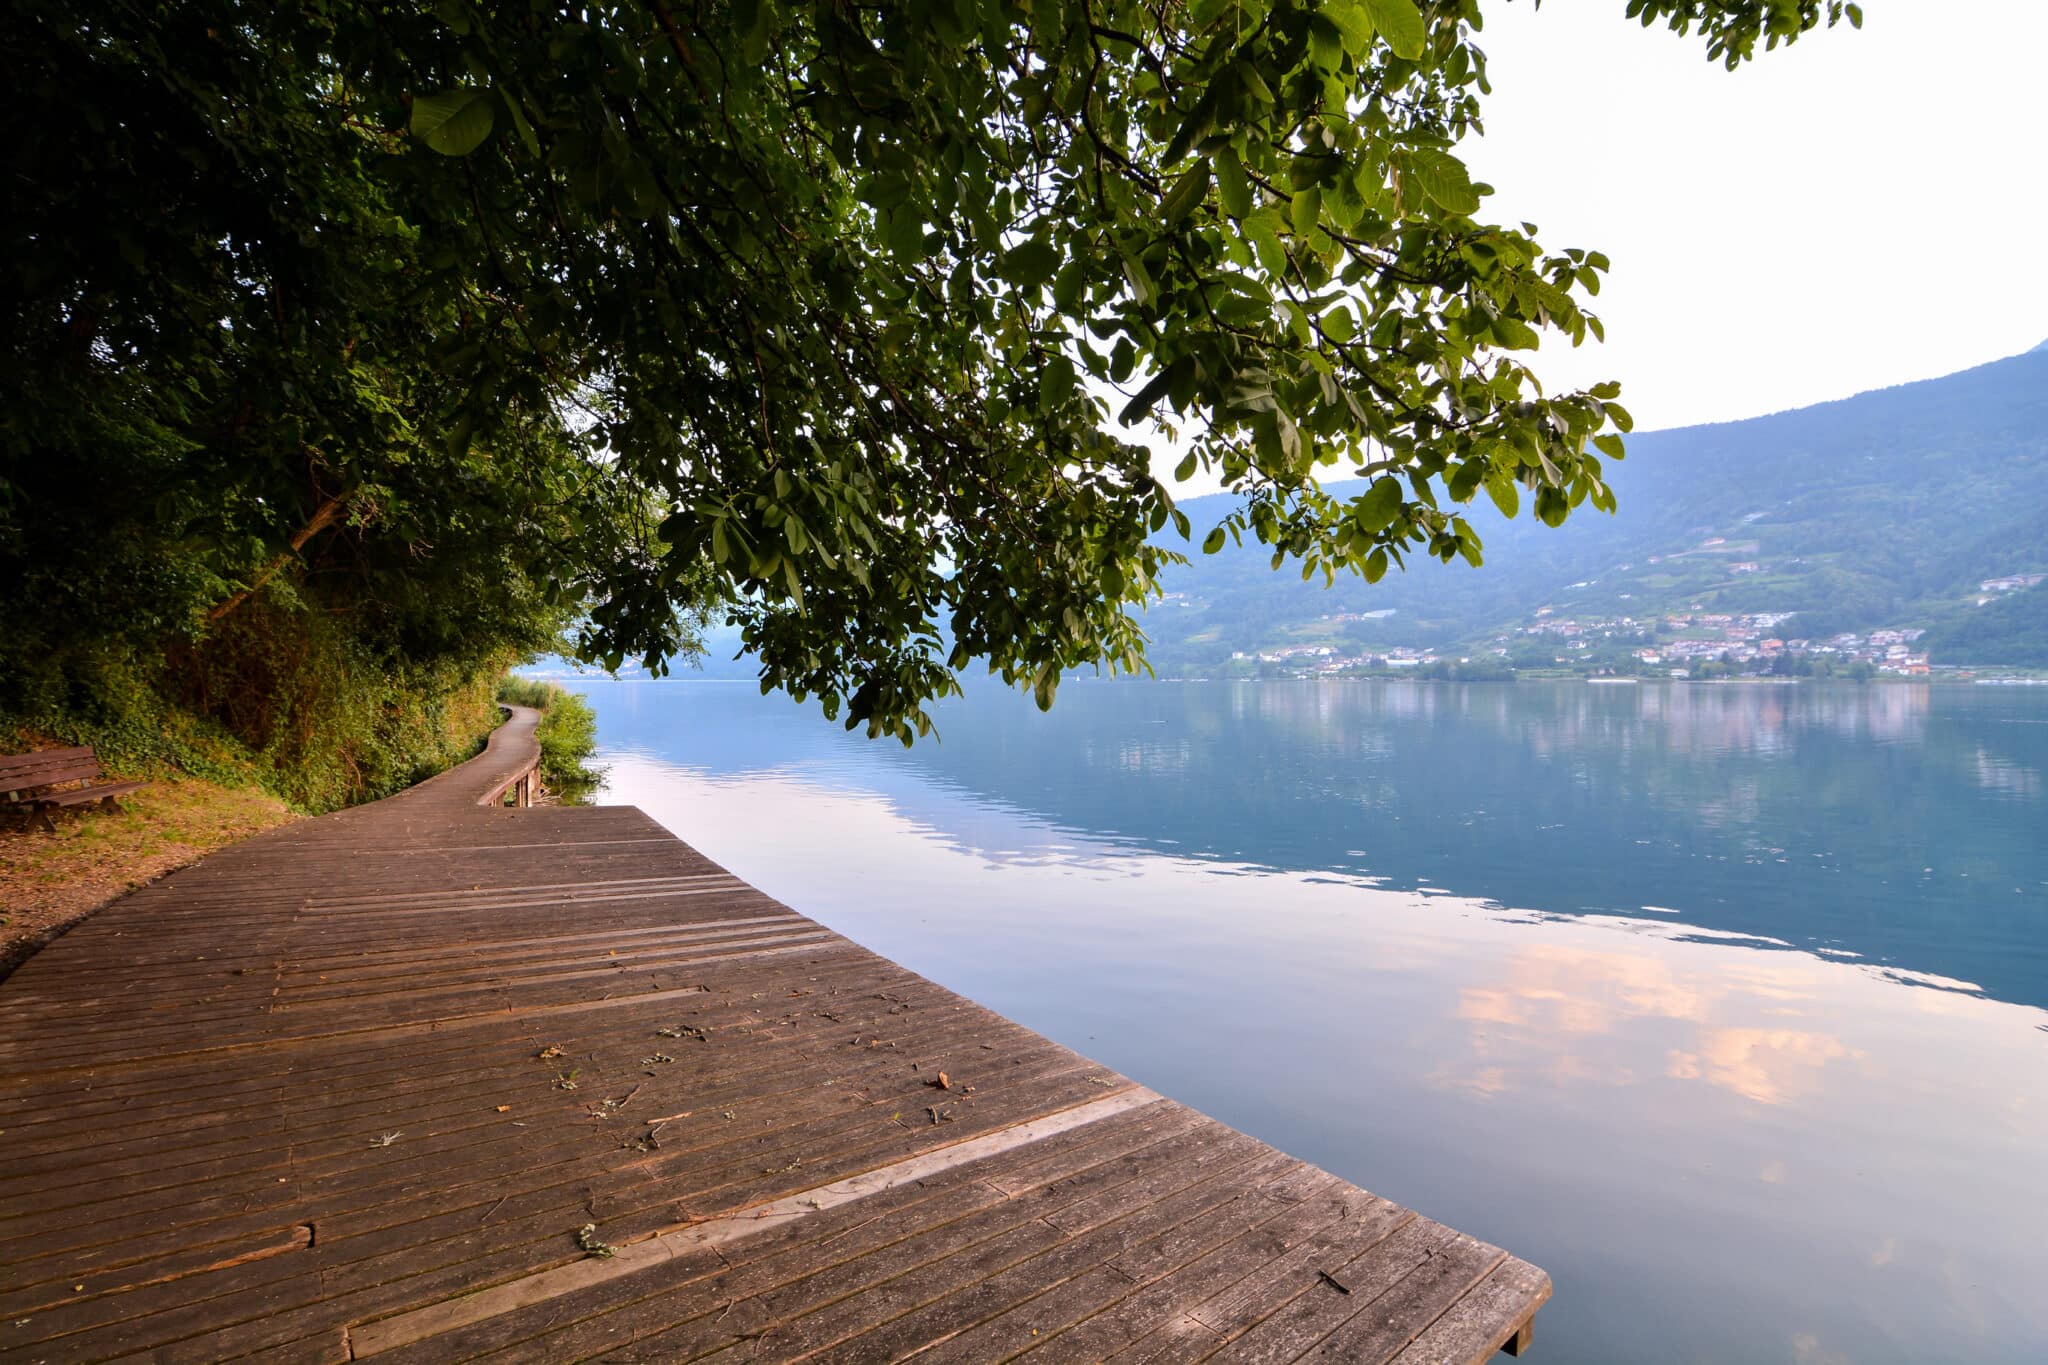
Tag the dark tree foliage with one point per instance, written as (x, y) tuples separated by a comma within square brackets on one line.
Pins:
[(466, 320)]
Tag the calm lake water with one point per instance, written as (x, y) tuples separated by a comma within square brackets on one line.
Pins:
[(1726, 1005)]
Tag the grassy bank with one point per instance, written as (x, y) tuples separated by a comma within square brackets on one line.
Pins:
[(50, 882)]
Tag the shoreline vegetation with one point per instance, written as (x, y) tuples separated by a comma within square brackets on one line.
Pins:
[(201, 798), (567, 734)]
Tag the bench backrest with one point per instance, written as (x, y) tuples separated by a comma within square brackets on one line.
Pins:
[(46, 767)]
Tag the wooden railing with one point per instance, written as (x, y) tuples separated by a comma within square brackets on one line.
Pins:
[(523, 785)]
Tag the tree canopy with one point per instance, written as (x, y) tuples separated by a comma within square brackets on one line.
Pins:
[(850, 320)]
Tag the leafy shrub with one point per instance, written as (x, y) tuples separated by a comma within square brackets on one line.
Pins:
[(535, 692), (278, 697), (567, 735)]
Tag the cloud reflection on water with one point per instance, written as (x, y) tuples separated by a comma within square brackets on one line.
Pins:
[(1842, 1156)]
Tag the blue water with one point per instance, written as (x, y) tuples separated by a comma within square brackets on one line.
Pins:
[(1726, 1005)]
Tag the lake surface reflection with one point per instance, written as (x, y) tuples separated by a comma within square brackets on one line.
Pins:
[(1723, 1004)]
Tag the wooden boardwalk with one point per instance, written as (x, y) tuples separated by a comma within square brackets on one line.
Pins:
[(427, 1080)]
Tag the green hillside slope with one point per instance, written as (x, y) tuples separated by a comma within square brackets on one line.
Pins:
[(1888, 509)]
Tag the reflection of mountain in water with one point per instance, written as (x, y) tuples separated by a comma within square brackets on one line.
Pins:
[(1898, 824)]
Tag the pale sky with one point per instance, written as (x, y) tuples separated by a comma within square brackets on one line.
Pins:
[(1862, 209)]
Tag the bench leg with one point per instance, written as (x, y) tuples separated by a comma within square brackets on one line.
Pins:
[(43, 817), (1519, 1342)]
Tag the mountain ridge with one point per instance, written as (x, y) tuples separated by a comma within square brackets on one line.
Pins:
[(1888, 508)]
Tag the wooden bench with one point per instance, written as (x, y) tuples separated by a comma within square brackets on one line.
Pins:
[(29, 781)]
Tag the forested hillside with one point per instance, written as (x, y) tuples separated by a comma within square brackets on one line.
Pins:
[(1886, 509)]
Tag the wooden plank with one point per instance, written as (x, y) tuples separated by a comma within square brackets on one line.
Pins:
[(1470, 1331), (20, 772), (162, 1269), (1269, 1289), (80, 796), (1389, 1323), (805, 1308), (975, 1200), (419, 1268), (1008, 1313), (1329, 1298), (446, 1316), (1092, 1232), (1248, 1245)]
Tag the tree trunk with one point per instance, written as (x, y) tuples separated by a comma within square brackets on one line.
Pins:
[(322, 518)]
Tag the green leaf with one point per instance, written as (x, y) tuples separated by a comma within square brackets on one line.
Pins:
[(1260, 231), (1043, 688), (1070, 284), (1400, 23), (1213, 542), (1352, 22), (1504, 495), (1031, 265), (520, 125), (1443, 178), (1380, 504), (1252, 79), (1515, 334), (1297, 322), (1306, 209), (750, 18), (906, 234), (454, 122), (1201, 121), (1142, 287), (1186, 193), (1055, 383), (1325, 43), (1232, 186), (1185, 470), (1147, 396)]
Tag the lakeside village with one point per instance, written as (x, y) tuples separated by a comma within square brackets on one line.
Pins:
[(1708, 644), (1695, 644)]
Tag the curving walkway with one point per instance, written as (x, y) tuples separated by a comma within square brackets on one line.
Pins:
[(429, 1080)]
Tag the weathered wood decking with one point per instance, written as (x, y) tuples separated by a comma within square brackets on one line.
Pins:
[(354, 1088)]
